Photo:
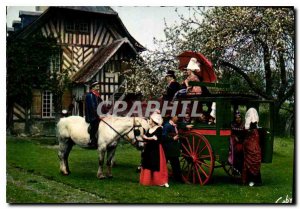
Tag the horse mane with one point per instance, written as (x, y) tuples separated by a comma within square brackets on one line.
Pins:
[(143, 122)]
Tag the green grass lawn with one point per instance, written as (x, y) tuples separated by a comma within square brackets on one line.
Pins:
[(33, 177)]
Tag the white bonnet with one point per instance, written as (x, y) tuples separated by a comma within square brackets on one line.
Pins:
[(156, 117), (193, 64), (251, 117)]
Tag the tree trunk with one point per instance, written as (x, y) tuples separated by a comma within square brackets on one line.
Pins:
[(276, 119), (9, 116), (279, 126), (27, 120), (290, 126), (267, 66)]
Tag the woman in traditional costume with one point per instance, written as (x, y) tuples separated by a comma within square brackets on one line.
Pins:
[(154, 170), (252, 151)]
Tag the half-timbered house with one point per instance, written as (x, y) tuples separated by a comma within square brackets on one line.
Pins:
[(94, 44)]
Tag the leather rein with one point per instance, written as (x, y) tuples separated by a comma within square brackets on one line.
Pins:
[(136, 132)]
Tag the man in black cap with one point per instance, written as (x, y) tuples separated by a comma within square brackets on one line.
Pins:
[(92, 100), (173, 86)]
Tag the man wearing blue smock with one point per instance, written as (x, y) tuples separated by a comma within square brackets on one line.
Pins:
[(92, 100)]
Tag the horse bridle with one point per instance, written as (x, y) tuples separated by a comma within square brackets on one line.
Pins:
[(136, 132)]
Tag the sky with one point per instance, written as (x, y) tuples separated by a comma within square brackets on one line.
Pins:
[(142, 22)]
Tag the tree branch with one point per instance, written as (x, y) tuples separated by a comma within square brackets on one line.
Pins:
[(288, 110), (282, 69), (287, 95), (267, 65), (246, 77), (283, 78)]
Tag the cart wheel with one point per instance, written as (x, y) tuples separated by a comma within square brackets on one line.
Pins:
[(231, 171), (197, 159)]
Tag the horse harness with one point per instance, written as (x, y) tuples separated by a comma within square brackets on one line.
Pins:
[(136, 131)]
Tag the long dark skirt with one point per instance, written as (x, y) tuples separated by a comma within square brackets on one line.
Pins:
[(252, 158), (236, 154)]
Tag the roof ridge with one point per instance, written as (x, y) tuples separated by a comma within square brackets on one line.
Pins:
[(114, 16), (93, 9)]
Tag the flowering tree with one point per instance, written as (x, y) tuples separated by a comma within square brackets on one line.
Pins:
[(144, 78), (252, 48), (257, 43)]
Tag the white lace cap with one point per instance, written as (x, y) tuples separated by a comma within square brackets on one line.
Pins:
[(193, 64), (251, 117)]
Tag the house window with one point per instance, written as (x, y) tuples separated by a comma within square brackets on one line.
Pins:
[(70, 27), (83, 27), (48, 106), (77, 26)]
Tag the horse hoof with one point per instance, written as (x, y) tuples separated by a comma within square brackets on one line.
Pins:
[(64, 173), (101, 177), (109, 176)]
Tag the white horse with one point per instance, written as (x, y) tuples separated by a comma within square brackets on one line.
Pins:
[(74, 130)]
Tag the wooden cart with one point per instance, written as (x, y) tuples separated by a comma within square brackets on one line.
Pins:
[(205, 144)]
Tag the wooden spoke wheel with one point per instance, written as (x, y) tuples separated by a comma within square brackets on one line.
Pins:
[(197, 159)]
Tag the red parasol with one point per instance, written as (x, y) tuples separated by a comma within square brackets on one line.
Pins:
[(207, 72)]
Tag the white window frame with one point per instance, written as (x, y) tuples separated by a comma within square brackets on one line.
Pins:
[(73, 26), (48, 105)]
